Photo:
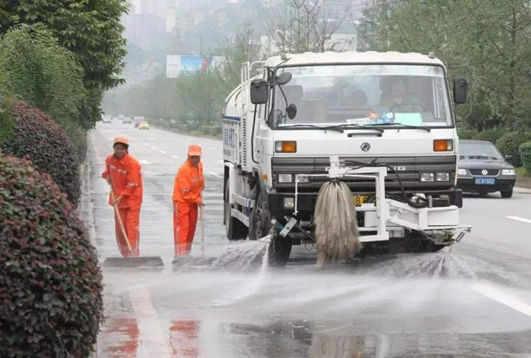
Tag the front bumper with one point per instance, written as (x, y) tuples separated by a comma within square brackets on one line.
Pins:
[(468, 184), (307, 201)]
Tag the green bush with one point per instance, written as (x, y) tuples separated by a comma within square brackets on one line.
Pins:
[(195, 133), (6, 120), (525, 155), (50, 284), (490, 136), (211, 130), (181, 128), (465, 133), (509, 144), (48, 146)]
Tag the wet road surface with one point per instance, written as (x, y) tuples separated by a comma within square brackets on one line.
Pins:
[(472, 301)]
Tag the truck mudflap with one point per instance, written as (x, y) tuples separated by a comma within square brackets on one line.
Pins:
[(387, 217)]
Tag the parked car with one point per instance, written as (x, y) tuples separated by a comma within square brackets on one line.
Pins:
[(138, 120), (143, 125), (483, 170), (127, 120), (107, 120)]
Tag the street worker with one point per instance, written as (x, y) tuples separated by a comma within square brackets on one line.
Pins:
[(122, 172), (187, 197)]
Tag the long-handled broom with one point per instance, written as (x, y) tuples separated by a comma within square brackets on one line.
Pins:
[(336, 225), (131, 261), (202, 217)]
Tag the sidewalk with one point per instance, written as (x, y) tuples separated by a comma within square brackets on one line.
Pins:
[(522, 190)]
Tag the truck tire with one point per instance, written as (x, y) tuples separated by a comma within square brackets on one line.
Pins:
[(259, 221), (279, 251), (506, 194), (234, 228)]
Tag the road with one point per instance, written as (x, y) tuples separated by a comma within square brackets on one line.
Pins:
[(471, 301)]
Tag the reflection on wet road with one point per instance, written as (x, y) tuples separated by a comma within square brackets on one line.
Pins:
[(472, 302)]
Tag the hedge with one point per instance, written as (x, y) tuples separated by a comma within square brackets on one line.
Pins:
[(48, 146), (465, 133), (525, 155), (490, 136), (50, 284), (509, 144)]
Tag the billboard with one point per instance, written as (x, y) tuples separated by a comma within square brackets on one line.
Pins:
[(175, 64)]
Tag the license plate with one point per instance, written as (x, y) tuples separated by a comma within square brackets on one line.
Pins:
[(360, 199), (486, 181)]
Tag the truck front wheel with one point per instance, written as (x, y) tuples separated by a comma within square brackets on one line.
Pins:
[(259, 221), (234, 228), (279, 251)]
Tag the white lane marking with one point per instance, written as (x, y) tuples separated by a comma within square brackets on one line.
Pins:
[(175, 157), (152, 336), (501, 297), (212, 148), (221, 161), (519, 219), (144, 162), (214, 174), (154, 148), (163, 152)]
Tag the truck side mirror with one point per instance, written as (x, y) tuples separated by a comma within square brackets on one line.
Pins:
[(259, 92), (460, 90)]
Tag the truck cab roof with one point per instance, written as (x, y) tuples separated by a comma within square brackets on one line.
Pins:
[(352, 57)]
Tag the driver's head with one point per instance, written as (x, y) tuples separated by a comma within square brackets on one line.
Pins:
[(399, 86)]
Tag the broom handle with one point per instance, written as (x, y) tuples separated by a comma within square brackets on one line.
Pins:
[(202, 214), (117, 212)]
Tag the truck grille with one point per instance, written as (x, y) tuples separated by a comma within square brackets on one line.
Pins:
[(409, 169)]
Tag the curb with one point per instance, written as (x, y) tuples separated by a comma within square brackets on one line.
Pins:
[(522, 190), (86, 209)]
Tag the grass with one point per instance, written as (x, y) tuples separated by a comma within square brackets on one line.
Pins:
[(523, 178), (521, 172)]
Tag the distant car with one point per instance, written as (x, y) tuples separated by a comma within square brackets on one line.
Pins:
[(143, 125), (127, 120), (483, 170), (107, 120)]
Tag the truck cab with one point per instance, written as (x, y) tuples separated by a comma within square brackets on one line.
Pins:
[(283, 125)]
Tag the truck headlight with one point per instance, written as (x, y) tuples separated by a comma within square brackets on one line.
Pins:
[(462, 172), (289, 203), (285, 178), (302, 179), (508, 172), (427, 177), (442, 177)]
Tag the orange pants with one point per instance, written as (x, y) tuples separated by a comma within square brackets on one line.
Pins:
[(184, 224), (131, 220)]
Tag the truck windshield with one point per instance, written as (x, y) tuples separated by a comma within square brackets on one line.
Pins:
[(363, 95)]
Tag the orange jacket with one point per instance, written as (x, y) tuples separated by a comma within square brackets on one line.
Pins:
[(189, 183), (126, 180)]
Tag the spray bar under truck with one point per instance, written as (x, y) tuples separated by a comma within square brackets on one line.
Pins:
[(383, 123)]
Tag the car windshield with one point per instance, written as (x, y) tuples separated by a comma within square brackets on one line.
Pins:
[(363, 95), (478, 151)]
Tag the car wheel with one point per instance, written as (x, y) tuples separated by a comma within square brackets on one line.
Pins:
[(506, 194)]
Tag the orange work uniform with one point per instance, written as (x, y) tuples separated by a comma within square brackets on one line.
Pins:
[(126, 179), (187, 189)]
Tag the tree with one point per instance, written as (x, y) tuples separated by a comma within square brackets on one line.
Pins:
[(298, 26), (489, 39), (90, 29), (40, 71)]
